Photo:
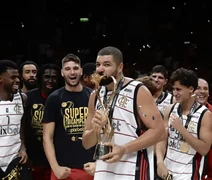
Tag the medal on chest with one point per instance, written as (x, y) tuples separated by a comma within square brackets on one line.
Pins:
[(184, 147)]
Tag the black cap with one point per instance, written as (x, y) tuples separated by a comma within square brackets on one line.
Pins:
[(89, 68)]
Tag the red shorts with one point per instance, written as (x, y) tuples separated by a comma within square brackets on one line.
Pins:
[(76, 174), (39, 173)]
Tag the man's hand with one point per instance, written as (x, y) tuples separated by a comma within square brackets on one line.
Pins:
[(98, 121), (90, 168), (176, 122), (115, 155), (162, 171), (22, 153), (61, 172)]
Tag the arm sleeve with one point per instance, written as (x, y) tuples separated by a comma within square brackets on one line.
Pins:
[(50, 110)]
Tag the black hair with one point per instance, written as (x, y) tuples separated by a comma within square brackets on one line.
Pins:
[(185, 77), (160, 69), (20, 69), (7, 64), (49, 66), (71, 57), (113, 51)]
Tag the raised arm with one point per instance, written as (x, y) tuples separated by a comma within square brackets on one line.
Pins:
[(203, 143)]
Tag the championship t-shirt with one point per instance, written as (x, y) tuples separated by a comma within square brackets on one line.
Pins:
[(34, 127), (69, 111)]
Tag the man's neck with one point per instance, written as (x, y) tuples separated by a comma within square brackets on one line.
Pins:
[(77, 88), (186, 106), (4, 96), (24, 89), (157, 94)]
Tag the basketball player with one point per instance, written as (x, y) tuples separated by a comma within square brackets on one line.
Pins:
[(65, 112), (136, 121), (202, 94), (189, 131), (48, 80), (12, 149), (28, 71), (162, 98)]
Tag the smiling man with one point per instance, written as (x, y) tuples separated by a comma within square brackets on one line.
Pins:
[(65, 113), (162, 98), (48, 79), (189, 132), (202, 94), (12, 149)]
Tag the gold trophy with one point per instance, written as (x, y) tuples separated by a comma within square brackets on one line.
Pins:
[(14, 174), (106, 133)]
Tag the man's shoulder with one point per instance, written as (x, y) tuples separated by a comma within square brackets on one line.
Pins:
[(57, 92), (33, 91), (87, 90), (209, 106)]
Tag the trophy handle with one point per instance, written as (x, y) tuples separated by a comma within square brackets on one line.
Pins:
[(108, 130)]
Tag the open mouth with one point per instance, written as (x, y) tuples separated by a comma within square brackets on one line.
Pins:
[(201, 97), (72, 78), (15, 87), (49, 86)]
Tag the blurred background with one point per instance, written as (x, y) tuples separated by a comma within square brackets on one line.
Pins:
[(175, 34)]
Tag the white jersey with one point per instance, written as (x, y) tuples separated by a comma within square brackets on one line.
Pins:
[(11, 113), (135, 165), (164, 101), (182, 161)]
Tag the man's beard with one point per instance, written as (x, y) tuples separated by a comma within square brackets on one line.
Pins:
[(106, 80), (29, 85)]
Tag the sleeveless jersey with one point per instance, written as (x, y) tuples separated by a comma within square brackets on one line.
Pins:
[(11, 113), (184, 163), (135, 165), (208, 168), (164, 101)]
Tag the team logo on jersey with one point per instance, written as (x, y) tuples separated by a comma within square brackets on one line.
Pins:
[(122, 101), (18, 108), (192, 127)]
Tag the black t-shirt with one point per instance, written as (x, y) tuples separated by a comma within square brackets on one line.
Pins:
[(34, 127), (69, 111)]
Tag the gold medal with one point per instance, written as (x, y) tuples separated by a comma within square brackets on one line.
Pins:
[(184, 147)]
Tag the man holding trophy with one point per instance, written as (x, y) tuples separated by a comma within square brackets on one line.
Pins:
[(123, 122)]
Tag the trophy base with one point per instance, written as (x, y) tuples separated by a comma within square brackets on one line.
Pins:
[(101, 150)]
